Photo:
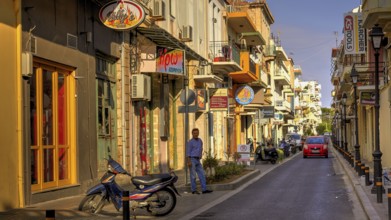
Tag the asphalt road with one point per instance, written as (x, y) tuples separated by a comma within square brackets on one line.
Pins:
[(312, 188)]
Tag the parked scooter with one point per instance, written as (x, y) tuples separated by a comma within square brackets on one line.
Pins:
[(292, 144), (286, 147), (266, 154), (155, 193)]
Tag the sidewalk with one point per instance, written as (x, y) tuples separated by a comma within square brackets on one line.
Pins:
[(189, 205), (368, 200)]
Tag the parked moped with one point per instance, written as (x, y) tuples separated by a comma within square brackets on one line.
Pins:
[(155, 193), (286, 147), (266, 154)]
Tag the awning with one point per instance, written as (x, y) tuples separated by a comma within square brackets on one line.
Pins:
[(164, 39), (208, 78)]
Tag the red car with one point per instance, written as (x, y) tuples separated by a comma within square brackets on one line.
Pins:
[(315, 146)]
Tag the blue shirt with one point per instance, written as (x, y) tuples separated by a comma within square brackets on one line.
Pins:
[(194, 148)]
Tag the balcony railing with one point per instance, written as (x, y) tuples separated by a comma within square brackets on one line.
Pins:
[(270, 50), (252, 66), (222, 51)]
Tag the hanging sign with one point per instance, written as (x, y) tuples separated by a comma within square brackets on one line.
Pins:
[(367, 98), (169, 61), (201, 99), (218, 99), (244, 95), (122, 15), (354, 33)]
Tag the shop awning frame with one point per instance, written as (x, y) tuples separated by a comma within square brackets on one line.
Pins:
[(164, 39)]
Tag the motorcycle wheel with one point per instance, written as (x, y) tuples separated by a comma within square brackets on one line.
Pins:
[(293, 150), (273, 161), (92, 203), (161, 202)]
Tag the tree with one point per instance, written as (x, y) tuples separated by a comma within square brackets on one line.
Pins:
[(327, 114), (321, 128)]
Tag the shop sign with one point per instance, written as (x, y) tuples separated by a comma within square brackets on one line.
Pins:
[(367, 98), (244, 151), (169, 61), (267, 111), (354, 34), (201, 99), (218, 99), (244, 95), (122, 15)]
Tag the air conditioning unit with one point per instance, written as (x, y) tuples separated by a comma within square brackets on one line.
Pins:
[(187, 33), (27, 64), (158, 9), (141, 87)]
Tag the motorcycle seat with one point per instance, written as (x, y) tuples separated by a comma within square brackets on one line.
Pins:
[(151, 179), (267, 150)]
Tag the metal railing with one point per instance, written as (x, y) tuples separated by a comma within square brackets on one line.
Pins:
[(223, 51)]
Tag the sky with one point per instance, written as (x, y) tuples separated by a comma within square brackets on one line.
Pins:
[(308, 30)]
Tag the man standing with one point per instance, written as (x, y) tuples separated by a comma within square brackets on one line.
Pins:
[(194, 155)]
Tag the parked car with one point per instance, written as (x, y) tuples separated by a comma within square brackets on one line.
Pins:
[(295, 139), (315, 146)]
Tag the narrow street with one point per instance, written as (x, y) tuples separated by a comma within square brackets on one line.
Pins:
[(313, 188)]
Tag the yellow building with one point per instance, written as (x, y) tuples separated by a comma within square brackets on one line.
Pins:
[(11, 129)]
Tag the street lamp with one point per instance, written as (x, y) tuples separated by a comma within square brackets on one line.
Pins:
[(377, 38), (335, 127), (341, 127), (344, 97), (354, 76)]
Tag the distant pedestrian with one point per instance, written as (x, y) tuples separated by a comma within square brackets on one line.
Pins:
[(194, 155)]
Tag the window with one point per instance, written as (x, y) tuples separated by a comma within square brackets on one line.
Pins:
[(50, 110)]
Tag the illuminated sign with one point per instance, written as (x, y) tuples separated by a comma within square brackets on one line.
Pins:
[(122, 15), (169, 61)]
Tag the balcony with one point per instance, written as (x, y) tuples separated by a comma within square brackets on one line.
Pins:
[(269, 52), (377, 12), (225, 57), (366, 76), (249, 72), (287, 90), (297, 70), (282, 76), (282, 105), (241, 22), (280, 53)]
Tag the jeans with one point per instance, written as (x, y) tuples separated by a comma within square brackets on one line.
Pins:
[(196, 167)]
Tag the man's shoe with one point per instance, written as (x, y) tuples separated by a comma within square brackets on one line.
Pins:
[(195, 192), (206, 191)]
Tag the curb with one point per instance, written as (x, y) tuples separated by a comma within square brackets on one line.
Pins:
[(227, 186), (359, 191)]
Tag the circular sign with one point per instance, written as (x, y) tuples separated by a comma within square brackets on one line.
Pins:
[(190, 97), (244, 95), (122, 15)]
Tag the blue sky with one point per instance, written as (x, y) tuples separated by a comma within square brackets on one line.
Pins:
[(307, 29)]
